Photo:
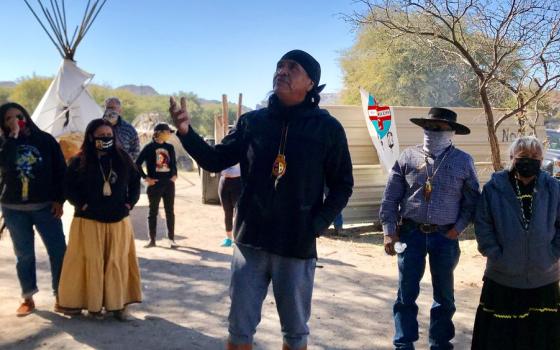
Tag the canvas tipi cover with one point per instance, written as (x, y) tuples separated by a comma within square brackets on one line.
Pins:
[(67, 106)]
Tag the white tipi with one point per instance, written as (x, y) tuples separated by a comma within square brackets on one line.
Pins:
[(67, 107)]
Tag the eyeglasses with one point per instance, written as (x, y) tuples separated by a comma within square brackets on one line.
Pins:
[(20, 117)]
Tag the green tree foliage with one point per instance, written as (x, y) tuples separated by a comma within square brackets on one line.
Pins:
[(5, 93), (399, 71), (129, 100), (29, 91), (510, 46)]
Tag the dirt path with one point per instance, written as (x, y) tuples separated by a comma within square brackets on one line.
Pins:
[(186, 293)]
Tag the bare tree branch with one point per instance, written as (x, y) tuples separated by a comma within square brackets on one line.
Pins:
[(513, 45)]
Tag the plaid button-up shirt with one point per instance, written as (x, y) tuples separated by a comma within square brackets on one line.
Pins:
[(128, 138), (455, 190)]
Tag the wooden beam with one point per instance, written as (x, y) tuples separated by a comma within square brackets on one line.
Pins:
[(239, 104), (218, 127), (225, 112)]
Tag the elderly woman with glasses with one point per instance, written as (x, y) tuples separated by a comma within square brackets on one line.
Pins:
[(517, 229)]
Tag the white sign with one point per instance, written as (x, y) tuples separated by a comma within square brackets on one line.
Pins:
[(382, 130)]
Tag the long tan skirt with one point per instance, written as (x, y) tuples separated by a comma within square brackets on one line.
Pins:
[(100, 267)]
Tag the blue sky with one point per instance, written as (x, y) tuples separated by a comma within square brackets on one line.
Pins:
[(209, 47)]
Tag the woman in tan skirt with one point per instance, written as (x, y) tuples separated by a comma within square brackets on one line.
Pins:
[(100, 269)]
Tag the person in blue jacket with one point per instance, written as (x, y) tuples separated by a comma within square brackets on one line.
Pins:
[(517, 226)]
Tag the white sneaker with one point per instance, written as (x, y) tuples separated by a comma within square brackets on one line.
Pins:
[(172, 243)]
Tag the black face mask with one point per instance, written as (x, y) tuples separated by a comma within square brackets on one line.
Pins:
[(527, 167), (104, 143)]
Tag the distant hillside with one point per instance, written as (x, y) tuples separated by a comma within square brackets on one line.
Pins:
[(8, 84), (218, 104), (204, 101), (330, 98), (144, 99), (327, 98), (141, 90)]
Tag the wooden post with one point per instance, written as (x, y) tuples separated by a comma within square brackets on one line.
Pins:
[(217, 128), (239, 104), (225, 112)]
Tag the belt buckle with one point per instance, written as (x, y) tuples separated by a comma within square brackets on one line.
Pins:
[(427, 228)]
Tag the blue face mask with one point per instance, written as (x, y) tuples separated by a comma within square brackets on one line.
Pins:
[(435, 142)]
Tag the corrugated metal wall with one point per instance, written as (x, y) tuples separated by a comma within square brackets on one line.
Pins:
[(370, 179)]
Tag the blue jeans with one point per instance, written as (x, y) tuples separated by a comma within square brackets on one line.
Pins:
[(338, 221), (443, 255), (20, 224), (252, 270)]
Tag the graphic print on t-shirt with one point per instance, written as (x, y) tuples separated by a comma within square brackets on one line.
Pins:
[(27, 158), (162, 161)]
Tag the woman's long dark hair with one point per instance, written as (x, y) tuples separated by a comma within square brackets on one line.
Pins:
[(88, 153), (28, 122)]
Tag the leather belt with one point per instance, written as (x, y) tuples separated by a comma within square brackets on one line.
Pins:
[(427, 228)]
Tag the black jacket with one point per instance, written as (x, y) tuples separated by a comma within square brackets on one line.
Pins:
[(286, 220), (162, 169), (85, 186), (38, 158)]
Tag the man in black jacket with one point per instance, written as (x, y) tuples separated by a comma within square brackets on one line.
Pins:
[(287, 153)]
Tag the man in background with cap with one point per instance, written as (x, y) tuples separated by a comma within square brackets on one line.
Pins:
[(161, 164), (429, 200), (124, 131), (287, 153)]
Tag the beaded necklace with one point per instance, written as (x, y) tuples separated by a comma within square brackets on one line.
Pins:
[(520, 198)]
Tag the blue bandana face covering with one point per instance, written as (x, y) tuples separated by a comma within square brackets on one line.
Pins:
[(435, 142)]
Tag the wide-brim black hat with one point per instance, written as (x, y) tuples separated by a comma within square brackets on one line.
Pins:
[(445, 115)]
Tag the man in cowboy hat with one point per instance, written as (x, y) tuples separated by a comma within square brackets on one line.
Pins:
[(429, 200), (287, 153)]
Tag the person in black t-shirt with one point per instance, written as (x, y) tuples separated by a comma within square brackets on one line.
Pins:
[(161, 164)]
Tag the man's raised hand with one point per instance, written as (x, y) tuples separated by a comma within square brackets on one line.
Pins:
[(180, 116)]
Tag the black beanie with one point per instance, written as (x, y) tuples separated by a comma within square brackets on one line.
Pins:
[(309, 64)]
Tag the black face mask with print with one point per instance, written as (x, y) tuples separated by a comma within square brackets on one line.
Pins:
[(527, 167), (104, 143)]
